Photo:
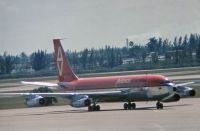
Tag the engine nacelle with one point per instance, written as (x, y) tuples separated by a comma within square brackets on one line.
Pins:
[(173, 98), (186, 91), (36, 100), (80, 101)]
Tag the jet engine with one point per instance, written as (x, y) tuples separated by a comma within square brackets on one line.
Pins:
[(36, 100), (186, 91), (173, 98), (80, 101)]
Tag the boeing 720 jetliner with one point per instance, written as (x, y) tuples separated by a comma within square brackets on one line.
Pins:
[(127, 88)]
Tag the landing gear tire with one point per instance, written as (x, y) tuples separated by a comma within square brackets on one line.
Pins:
[(125, 106), (133, 106), (129, 106), (159, 105), (94, 108), (97, 107)]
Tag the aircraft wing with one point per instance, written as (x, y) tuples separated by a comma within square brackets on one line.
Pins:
[(65, 94), (183, 84), (40, 83)]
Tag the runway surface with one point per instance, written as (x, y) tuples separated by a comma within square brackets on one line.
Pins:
[(183, 115)]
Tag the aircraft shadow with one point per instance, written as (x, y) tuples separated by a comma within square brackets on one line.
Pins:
[(168, 107), (178, 105), (145, 108)]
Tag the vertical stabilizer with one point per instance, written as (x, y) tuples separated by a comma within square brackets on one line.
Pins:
[(65, 73)]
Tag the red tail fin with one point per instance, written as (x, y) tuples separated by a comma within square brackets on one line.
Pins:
[(65, 73)]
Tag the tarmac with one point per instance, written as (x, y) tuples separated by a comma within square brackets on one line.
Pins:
[(183, 115)]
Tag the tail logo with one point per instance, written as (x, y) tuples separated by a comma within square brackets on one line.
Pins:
[(60, 61)]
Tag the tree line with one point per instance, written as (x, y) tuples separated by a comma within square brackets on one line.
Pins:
[(181, 51)]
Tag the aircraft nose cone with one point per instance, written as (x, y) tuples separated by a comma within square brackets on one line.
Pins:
[(192, 92), (174, 89), (177, 97)]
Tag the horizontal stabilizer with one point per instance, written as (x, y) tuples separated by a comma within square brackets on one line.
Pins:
[(40, 83)]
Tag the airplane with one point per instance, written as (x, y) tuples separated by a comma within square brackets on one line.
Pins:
[(87, 92)]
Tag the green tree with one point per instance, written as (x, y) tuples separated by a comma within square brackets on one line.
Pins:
[(180, 42), (9, 64), (39, 60), (160, 46), (191, 47), (22, 60), (84, 58), (198, 52), (165, 46), (101, 56), (6, 63), (152, 45), (92, 61), (111, 60), (175, 43), (2, 65), (154, 56), (74, 59), (144, 54)]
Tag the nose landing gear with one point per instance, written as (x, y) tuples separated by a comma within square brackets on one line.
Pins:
[(159, 105)]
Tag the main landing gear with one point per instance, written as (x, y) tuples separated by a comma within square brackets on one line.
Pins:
[(129, 106), (159, 105), (94, 107), (132, 106)]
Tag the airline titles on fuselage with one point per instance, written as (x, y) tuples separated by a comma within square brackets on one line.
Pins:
[(121, 82)]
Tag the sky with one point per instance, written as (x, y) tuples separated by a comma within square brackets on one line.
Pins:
[(29, 25)]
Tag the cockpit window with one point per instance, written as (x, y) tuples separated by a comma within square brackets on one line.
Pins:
[(165, 82)]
